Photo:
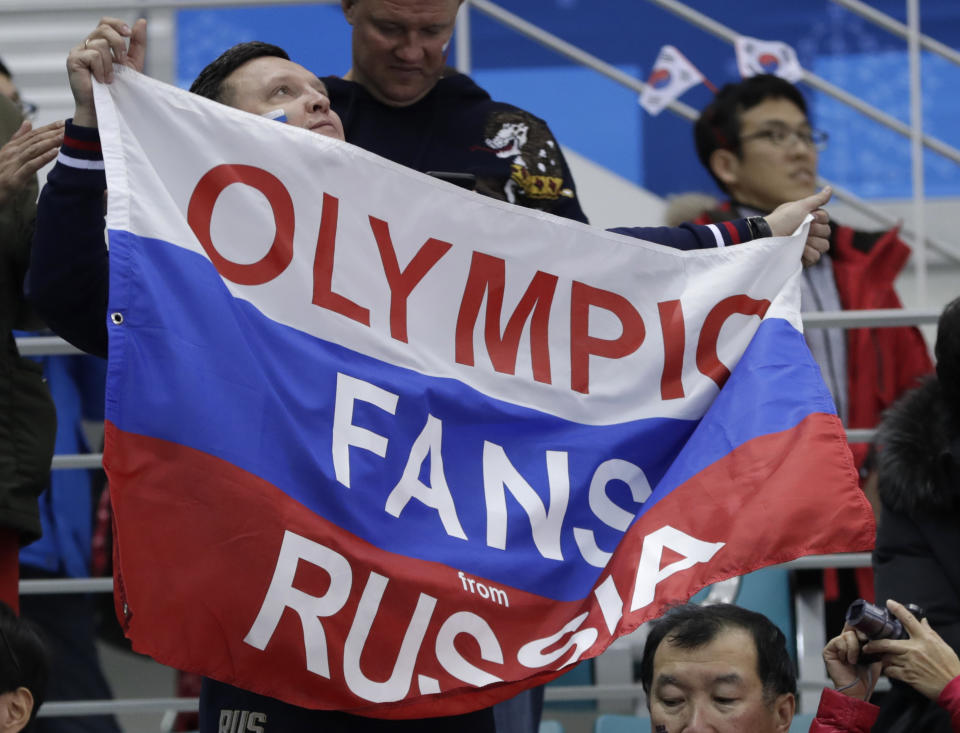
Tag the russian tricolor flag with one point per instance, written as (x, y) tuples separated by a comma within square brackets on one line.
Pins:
[(380, 444)]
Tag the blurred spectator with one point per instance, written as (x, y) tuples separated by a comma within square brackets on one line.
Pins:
[(757, 142), (917, 557), (9, 90), (23, 672), (69, 620), (65, 507), (27, 419)]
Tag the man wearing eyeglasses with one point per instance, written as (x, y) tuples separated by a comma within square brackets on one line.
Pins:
[(9, 90), (757, 142)]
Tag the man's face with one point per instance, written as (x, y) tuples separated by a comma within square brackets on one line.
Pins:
[(270, 82), (714, 688), (399, 46), (766, 174)]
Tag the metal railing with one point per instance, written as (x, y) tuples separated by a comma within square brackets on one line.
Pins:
[(729, 35), (899, 29), (575, 54)]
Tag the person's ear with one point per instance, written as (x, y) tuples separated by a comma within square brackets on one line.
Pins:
[(784, 708), (19, 705), (349, 8), (726, 166)]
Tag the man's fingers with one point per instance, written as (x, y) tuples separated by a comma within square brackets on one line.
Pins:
[(852, 646), (55, 127), (98, 54), (37, 162), (820, 233), (34, 140), (101, 66), (110, 24), (109, 41), (820, 198), (908, 620), (39, 151), (39, 144), (137, 53), (24, 128), (886, 646)]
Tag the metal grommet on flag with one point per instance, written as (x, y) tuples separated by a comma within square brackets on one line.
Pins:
[(117, 318)]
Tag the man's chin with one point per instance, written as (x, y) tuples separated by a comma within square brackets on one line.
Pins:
[(401, 95)]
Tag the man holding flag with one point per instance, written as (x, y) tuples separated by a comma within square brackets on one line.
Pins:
[(420, 462)]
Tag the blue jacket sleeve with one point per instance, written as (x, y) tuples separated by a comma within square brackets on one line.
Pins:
[(692, 236), (68, 279)]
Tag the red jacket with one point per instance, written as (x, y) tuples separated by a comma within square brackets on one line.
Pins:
[(882, 363), (949, 700), (841, 714)]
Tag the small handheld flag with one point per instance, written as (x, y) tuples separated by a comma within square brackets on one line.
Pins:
[(756, 57), (672, 75)]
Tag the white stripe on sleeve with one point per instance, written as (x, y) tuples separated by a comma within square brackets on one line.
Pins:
[(716, 234), (69, 160)]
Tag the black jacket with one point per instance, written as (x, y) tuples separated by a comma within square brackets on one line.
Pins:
[(917, 557), (28, 422)]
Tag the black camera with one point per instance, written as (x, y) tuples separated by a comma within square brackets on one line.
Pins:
[(878, 623)]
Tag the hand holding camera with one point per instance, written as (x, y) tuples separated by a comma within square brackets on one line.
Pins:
[(896, 641), (878, 623), (844, 665), (921, 659)]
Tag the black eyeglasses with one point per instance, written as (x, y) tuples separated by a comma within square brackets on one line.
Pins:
[(785, 136), (10, 652)]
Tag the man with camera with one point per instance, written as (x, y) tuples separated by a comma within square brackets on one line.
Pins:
[(920, 658)]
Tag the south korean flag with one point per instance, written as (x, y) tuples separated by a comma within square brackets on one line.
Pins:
[(672, 75), (756, 57)]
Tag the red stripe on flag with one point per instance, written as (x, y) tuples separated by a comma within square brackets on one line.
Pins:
[(198, 541)]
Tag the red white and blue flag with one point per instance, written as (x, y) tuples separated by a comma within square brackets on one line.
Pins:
[(672, 75), (380, 444), (755, 57)]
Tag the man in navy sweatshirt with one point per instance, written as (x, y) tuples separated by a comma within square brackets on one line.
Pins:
[(401, 101)]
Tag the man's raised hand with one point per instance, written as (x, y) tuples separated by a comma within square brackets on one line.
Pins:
[(785, 219), (112, 41), (27, 152)]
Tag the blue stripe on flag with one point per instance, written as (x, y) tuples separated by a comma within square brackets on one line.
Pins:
[(193, 365)]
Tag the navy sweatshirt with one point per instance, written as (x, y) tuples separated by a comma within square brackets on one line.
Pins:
[(458, 128)]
